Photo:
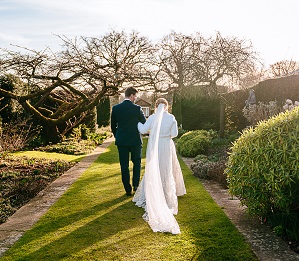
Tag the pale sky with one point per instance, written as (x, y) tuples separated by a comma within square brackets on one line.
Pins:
[(271, 25)]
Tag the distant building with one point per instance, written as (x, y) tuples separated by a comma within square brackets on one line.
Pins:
[(146, 101), (146, 106)]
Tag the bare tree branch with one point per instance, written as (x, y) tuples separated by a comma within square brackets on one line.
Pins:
[(284, 68), (59, 88)]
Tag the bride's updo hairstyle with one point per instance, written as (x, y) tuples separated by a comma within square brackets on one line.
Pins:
[(162, 100)]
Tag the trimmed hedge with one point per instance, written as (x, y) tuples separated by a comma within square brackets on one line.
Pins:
[(103, 112), (263, 170), (195, 109)]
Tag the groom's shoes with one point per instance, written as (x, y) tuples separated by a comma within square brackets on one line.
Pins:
[(130, 193)]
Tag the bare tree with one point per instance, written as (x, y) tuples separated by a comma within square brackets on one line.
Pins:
[(175, 60), (204, 62), (225, 57), (251, 78), (62, 87), (284, 68), (16, 135), (195, 60)]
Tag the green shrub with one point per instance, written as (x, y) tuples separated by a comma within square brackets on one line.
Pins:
[(76, 134), (206, 169), (10, 109), (81, 141), (193, 143), (285, 225), (100, 135), (85, 132), (263, 168), (200, 112), (181, 132), (220, 142), (97, 138), (201, 157), (70, 147), (82, 132)]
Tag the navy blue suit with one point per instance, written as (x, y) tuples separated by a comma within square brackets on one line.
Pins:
[(124, 119)]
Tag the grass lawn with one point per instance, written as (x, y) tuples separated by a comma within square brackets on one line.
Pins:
[(49, 155), (94, 220)]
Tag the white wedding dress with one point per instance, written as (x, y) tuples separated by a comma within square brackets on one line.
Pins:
[(163, 180)]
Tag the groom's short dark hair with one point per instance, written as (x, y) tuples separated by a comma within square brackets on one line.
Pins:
[(129, 91)]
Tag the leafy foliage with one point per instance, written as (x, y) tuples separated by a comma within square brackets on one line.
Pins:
[(71, 147), (177, 107), (195, 110), (201, 113), (213, 163), (193, 143), (263, 168), (80, 142), (206, 169), (8, 107)]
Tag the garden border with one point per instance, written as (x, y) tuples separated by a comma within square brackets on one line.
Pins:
[(264, 243), (25, 217)]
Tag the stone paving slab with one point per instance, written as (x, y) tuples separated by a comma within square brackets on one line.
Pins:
[(264, 243), (23, 219)]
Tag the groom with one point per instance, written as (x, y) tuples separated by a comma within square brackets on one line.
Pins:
[(124, 119)]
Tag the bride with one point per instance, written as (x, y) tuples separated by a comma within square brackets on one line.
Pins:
[(163, 181)]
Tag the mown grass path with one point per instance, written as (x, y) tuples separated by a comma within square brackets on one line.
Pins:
[(95, 220)]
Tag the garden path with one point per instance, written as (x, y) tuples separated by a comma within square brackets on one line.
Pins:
[(264, 243)]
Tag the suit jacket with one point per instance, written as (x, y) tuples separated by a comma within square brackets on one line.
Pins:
[(124, 119)]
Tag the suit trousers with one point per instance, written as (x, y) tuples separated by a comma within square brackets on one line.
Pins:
[(124, 154)]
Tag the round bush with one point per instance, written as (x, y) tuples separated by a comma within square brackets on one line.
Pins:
[(193, 143), (206, 169), (263, 167)]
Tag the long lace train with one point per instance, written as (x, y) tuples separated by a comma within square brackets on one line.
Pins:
[(150, 194)]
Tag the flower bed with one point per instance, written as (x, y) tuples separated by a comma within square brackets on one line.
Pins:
[(22, 178)]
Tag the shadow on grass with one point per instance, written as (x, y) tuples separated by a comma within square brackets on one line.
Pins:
[(102, 223), (214, 235), (84, 236), (92, 218)]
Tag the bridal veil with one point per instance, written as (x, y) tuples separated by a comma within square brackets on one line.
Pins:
[(149, 194)]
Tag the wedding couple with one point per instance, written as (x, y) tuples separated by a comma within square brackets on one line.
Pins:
[(163, 181)]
